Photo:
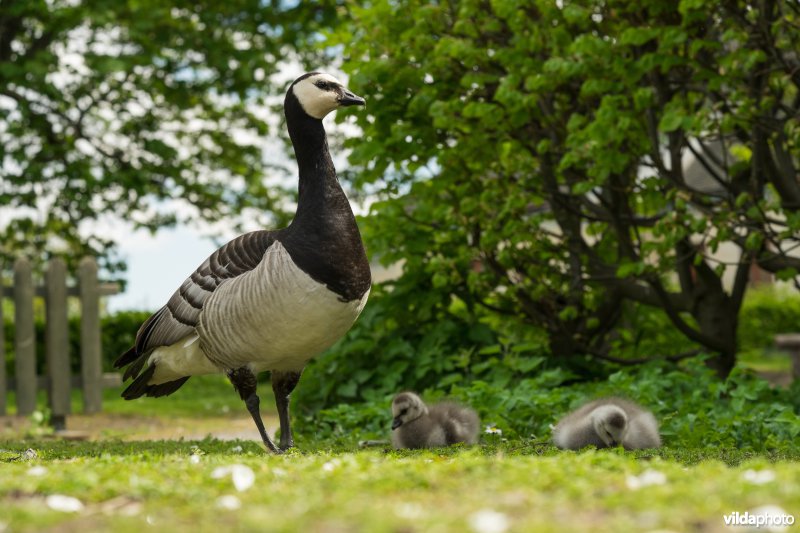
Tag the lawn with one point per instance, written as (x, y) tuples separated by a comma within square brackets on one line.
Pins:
[(116, 481), (506, 487)]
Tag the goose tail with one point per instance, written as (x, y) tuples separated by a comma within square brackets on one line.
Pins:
[(141, 387)]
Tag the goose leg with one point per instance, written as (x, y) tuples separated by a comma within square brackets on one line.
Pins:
[(244, 381), (283, 383)]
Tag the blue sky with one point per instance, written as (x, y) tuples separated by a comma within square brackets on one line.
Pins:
[(157, 265)]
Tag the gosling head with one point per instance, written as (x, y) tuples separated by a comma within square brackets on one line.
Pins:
[(407, 407), (319, 94), (610, 423)]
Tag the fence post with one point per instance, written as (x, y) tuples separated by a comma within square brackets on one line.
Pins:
[(790, 342), (57, 342), (24, 337), (91, 367), (3, 391)]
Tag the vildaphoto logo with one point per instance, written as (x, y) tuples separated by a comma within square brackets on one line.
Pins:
[(758, 520)]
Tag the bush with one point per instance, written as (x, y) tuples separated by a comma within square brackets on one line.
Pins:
[(766, 312), (117, 334), (506, 373), (392, 347), (694, 407)]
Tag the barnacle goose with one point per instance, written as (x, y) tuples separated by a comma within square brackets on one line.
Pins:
[(415, 425), (608, 422), (267, 300)]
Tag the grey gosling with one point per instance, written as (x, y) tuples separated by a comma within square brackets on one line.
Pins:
[(415, 425), (605, 423)]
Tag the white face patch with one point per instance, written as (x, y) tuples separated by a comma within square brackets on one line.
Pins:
[(315, 101)]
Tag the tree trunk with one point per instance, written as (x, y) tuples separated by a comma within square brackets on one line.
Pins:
[(716, 318)]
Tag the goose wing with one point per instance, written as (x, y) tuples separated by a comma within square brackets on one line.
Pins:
[(179, 318)]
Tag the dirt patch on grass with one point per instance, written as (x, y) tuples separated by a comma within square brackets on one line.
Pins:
[(136, 428)]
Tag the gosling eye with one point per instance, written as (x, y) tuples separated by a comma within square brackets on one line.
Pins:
[(403, 411)]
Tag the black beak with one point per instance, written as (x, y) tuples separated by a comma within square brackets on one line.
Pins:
[(396, 423), (349, 98)]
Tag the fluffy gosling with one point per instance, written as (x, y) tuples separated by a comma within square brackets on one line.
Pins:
[(415, 425), (605, 423)]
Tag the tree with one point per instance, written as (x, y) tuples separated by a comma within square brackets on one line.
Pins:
[(531, 155), (141, 110)]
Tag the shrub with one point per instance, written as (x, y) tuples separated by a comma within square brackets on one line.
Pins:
[(117, 334), (766, 312), (386, 352), (694, 407)]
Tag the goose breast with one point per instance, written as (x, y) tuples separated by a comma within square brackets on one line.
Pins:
[(274, 317)]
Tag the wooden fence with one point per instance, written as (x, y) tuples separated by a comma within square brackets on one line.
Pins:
[(58, 380)]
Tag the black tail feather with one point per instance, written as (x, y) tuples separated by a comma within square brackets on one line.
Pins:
[(165, 389), (140, 387), (126, 358), (135, 368)]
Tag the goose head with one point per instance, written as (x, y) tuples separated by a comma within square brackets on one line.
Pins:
[(318, 94), (407, 407), (610, 423)]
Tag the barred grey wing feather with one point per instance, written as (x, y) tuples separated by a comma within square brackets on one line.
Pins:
[(179, 318)]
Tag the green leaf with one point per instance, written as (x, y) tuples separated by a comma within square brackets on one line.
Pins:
[(671, 120)]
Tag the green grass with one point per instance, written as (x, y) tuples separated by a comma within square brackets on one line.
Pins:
[(201, 396), (329, 485), (766, 361), (128, 486)]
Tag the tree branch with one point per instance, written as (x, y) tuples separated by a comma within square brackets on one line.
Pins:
[(619, 360), (681, 324)]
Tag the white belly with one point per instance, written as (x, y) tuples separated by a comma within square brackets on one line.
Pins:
[(275, 317)]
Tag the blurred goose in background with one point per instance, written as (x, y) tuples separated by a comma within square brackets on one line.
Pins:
[(608, 422), (415, 425), (267, 300)]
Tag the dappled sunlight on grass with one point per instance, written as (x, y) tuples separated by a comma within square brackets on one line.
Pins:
[(527, 487)]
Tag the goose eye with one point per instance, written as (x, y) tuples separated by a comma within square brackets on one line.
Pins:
[(324, 85), (403, 411)]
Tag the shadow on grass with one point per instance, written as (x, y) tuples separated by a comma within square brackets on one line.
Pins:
[(48, 449)]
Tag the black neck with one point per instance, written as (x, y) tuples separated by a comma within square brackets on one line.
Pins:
[(323, 239), (320, 193)]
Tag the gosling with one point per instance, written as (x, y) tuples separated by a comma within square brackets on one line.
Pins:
[(605, 423), (415, 425)]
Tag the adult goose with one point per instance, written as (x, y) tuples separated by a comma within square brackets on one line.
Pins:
[(608, 422), (267, 300)]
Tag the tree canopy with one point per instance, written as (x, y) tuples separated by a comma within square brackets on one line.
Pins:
[(531, 155), (141, 109)]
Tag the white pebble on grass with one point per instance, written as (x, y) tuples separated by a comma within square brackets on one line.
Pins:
[(65, 504), (646, 479), (243, 476), (194, 459), (333, 464), (37, 471), (229, 502), (236, 449), (409, 511), (488, 521), (758, 477)]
